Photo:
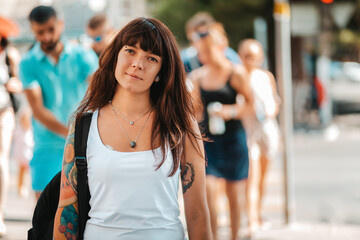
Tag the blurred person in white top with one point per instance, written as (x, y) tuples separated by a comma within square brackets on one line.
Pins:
[(262, 127), (23, 144)]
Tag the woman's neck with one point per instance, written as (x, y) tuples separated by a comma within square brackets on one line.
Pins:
[(130, 104), (251, 69), (220, 64)]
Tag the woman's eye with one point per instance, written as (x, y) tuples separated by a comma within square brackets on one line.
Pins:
[(153, 59), (129, 50)]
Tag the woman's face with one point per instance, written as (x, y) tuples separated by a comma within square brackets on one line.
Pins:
[(207, 50), (251, 56), (136, 69)]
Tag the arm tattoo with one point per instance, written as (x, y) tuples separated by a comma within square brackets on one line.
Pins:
[(69, 166), (66, 218), (187, 176), (69, 222)]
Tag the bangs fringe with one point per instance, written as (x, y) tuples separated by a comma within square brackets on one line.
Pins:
[(149, 40)]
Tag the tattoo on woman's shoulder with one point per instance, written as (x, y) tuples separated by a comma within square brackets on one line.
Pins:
[(187, 176)]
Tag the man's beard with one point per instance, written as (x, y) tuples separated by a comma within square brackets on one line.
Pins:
[(50, 47)]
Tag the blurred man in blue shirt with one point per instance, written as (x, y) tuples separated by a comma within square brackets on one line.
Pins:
[(54, 74)]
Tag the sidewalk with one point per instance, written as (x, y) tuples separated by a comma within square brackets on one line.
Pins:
[(310, 231), (18, 212)]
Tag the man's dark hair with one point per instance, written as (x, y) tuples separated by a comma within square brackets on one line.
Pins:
[(97, 21), (41, 14)]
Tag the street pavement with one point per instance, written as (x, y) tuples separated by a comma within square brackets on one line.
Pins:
[(325, 186)]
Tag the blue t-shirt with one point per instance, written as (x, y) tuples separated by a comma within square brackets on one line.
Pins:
[(63, 85)]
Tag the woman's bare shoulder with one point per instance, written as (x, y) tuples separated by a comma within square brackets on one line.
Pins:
[(197, 74), (239, 77), (239, 70)]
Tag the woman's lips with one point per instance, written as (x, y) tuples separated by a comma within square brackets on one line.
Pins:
[(133, 76)]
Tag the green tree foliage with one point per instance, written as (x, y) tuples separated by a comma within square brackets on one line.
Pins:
[(236, 15)]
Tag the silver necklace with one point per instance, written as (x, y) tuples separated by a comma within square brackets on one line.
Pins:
[(124, 117), (132, 143)]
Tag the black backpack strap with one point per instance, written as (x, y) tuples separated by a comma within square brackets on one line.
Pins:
[(81, 136)]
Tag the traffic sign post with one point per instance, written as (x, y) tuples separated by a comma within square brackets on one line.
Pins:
[(284, 79)]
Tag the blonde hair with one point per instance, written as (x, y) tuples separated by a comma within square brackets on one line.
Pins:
[(244, 46), (218, 34)]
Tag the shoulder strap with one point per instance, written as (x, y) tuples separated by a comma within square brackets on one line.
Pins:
[(8, 64), (81, 136)]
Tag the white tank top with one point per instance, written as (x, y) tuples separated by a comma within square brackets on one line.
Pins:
[(262, 89), (129, 198)]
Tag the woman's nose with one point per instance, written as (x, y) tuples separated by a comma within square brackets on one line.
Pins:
[(137, 64)]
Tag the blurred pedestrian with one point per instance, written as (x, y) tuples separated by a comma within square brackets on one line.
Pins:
[(218, 82), (9, 85), (142, 137), (262, 127), (23, 144), (100, 29), (54, 74), (193, 26)]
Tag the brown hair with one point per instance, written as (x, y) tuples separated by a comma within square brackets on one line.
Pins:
[(200, 19), (97, 21), (172, 103), (218, 33), (244, 45)]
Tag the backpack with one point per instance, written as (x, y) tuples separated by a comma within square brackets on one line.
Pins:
[(46, 206)]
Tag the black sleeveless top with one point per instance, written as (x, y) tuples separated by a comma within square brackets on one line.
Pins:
[(224, 95)]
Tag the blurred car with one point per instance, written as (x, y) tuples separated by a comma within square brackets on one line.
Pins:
[(351, 71), (345, 87)]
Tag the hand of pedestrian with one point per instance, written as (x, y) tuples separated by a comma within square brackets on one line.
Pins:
[(228, 112), (14, 85)]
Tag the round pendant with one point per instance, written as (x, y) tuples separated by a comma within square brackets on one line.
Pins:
[(132, 144), (131, 123)]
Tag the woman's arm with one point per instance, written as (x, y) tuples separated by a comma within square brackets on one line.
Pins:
[(13, 85), (275, 96), (194, 89), (240, 83), (194, 188), (66, 218)]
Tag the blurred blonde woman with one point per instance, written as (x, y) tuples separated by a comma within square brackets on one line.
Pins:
[(262, 127), (218, 83)]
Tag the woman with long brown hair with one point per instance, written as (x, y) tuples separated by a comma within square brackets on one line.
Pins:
[(218, 83), (142, 137)]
